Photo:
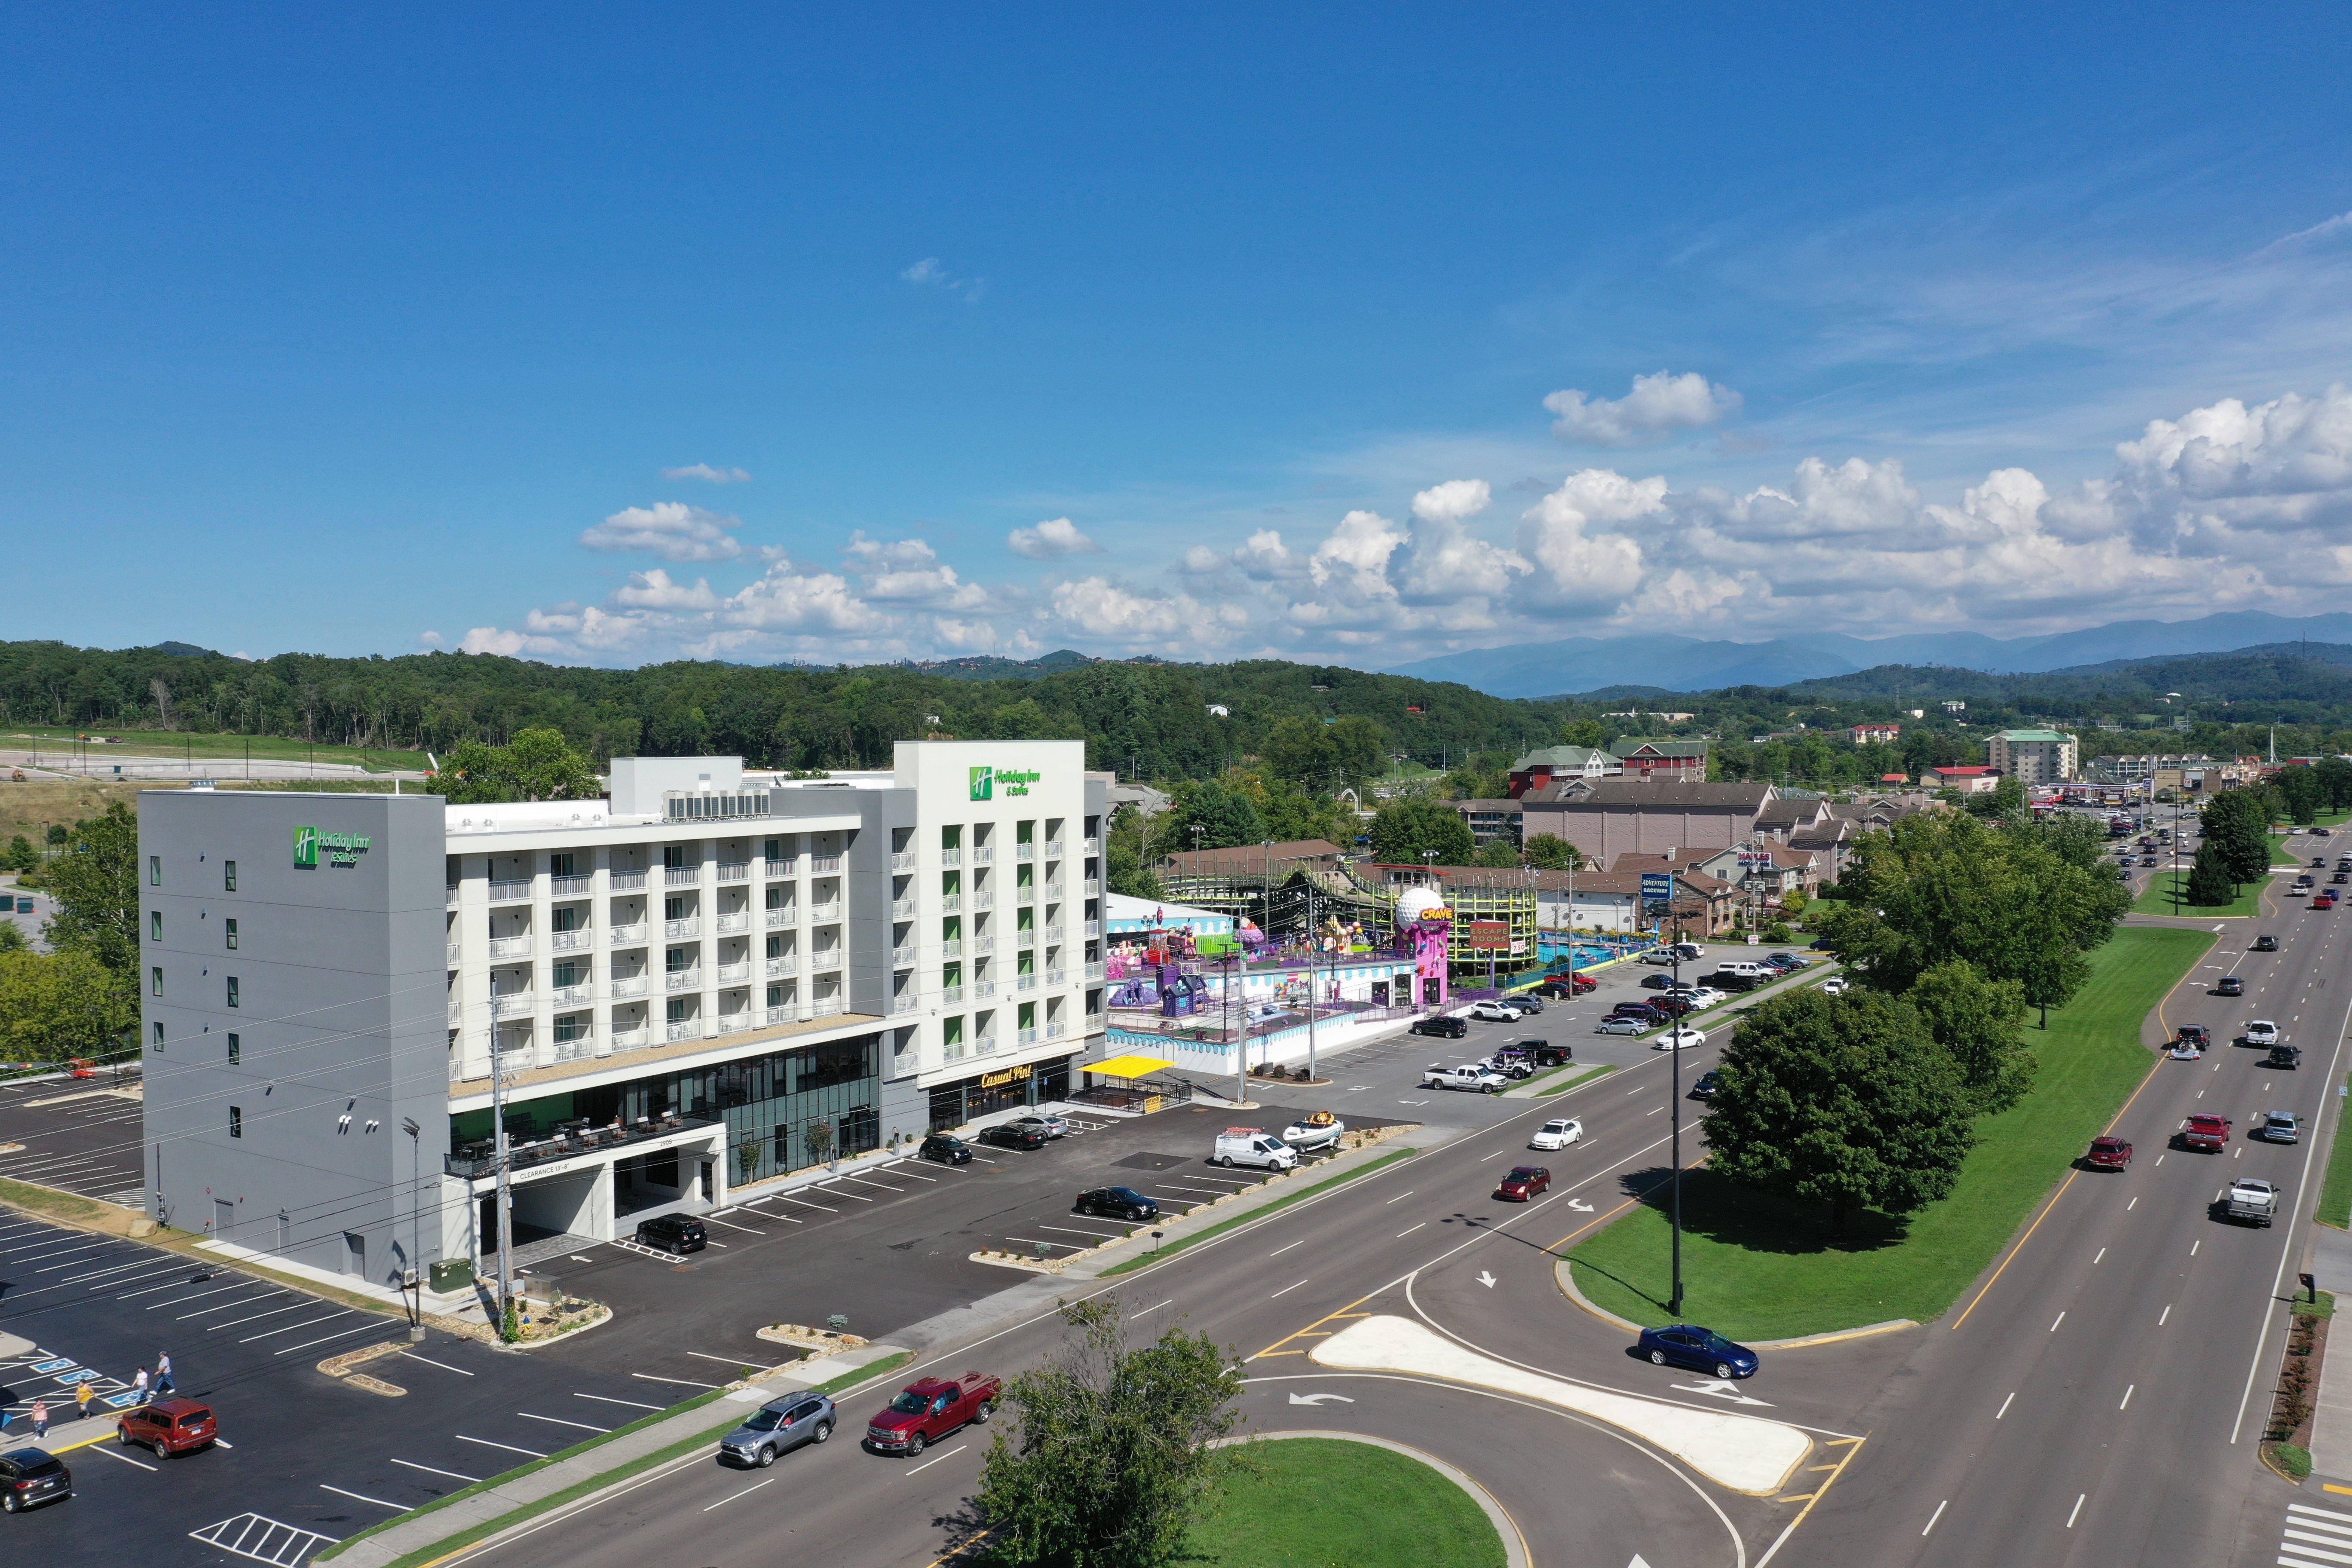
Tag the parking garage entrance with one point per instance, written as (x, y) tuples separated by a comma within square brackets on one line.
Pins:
[(1029, 1083)]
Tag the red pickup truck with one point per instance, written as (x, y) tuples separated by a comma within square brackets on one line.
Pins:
[(926, 1411), (2205, 1132)]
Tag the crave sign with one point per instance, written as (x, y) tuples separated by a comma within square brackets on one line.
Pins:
[(342, 849), (1016, 781)]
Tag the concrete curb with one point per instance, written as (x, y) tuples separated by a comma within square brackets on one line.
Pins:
[(1515, 1545), (1565, 1279)]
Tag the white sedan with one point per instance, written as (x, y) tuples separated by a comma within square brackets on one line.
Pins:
[(1558, 1134), (2262, 1032), (1833, 986), (1678, 1039)]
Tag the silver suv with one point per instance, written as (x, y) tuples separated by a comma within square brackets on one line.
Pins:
[(777, 1426)]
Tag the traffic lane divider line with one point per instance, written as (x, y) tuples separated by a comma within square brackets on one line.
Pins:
[(746, 1492), (1853, 1445)]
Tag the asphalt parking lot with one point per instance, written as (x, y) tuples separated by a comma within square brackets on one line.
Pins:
[(80, 1135), (308, 1456)]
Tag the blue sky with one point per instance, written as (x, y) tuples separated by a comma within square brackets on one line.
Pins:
[(1191, 330)]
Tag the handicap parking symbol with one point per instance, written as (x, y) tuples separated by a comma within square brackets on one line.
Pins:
[(54, 1365)]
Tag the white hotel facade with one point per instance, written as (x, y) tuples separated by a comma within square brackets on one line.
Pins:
[(691, 986)]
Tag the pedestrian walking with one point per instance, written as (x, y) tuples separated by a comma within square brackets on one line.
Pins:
[(41, 1419), (82, 1396), (139, 1385), (164, 1383)]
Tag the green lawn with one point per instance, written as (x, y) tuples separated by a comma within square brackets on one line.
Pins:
[(2335, 1197), (1317, 1501), (175, 743), (2158, 900), (1757, 1268)]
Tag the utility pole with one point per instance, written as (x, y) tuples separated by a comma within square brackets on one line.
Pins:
[(1674, 1103), (1312, 940), (416, 1268), (505, 1197)]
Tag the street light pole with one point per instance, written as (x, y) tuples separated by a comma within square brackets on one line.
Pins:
[(1674, 1103), (416, 1265)]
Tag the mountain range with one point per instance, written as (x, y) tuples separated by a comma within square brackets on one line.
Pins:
[(1672, 662)]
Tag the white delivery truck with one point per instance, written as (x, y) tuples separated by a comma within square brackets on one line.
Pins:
[(1254, 1146)]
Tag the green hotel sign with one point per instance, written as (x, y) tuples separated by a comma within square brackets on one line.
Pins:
[(341, 848), (1016, 781)]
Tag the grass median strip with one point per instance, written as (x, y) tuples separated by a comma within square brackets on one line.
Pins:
[(1587, 1076), (2158, 900), (507, 1520), (2336, 1196), (1301, 1195), (1298, 1497), (1758, 1269)]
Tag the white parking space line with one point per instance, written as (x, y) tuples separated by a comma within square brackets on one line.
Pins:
[(223, 1307), (1093, 1235), (866, 1181), (788, 1198), (240, 1284), (510, 1448), (396, 1506), (832, 1189), (608, 1399), (763, 1214), (339, 1333), (722, 1360), (434, 1470), (951, 1454), (687, 1382), (150, 1291), (233, 1323), (714, 1219), (428, 1360), (746, 1492), (103, 1273), (126, 1458), (559, 1421), (294, 1328), (1032, 1241), (914, 1175)]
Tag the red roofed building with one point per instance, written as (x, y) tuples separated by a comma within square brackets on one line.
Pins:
[(1967, 780)]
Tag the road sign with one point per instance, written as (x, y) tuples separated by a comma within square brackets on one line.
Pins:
[(1657, 887)]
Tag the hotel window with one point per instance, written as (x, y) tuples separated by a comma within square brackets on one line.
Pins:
[(951, 1038), (560, 865), (232, 991), (235, 1123), (155, 981), (229, 929), (154, 870), (155, 925), (228, 876), (159, 1036), (673, 856), (234, 1055)]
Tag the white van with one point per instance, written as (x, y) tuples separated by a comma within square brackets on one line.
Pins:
[(1254, 1146)]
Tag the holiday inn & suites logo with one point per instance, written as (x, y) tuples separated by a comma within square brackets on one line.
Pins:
[(306, 848), (983, 783), (343, 849)]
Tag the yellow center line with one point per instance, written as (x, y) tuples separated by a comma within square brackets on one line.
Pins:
[(1347, 1311), (1853, 1445)]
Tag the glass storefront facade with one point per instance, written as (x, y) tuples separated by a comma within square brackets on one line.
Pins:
[(953, 1104), (770, 1103)]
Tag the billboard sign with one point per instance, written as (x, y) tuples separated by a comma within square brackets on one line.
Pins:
[(1485, 934), (1657, 887)]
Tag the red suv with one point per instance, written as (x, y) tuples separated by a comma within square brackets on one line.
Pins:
[(2108, 1154), (169, 1426)]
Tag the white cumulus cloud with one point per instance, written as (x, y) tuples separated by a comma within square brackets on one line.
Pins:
[(707, 474), (668, 529), (1056, 536), (1656, 405), (655, 589)]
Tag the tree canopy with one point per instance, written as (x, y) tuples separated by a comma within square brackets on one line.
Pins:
[(95, 880), (1405, 830), (56, 1005), (537, 764)]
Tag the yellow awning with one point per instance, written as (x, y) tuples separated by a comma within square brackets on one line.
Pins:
[(1128, 1066)]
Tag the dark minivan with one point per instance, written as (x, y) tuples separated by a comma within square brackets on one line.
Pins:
[(29, 1477), (680, 1233)]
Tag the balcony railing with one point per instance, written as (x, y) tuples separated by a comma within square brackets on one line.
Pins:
[(456, 1013), (730, 925), (951, 904), (510, 947), (1052, 934), (982, 946), (1090, 846), (730, 1022), (570, 887), (789, 964), (826, 1007), (822, 913), (454, 951), (1055, 890), (684, 1029), (1026, 981), (734, 973), (1053, 849), (579, 939), (1055, 1030), (983, 988), (633, 986), (476, 1160), (902, 957), (984, 900), (629, 1039), (682, 980), (625, 883), (1096, 972), (632, 935), (577, 996), (825, 865), (902, 909), (952, 855), (734, 870), (681, 875), (984, 1044), (1029, 1036), (1025, 936), (902, 859), (1057, 976), (1025, 893), (1094, 1020), (949, 996), (952, 950), (983, 853), (512, 1005), (782, 915), (1093, 885), (1092, 929), (825, 961), (690, 926), (905, 1002), (1025, 850), (451, 901), (508, 890)]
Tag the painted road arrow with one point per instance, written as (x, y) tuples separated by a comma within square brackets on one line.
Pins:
[(1320, 1398)]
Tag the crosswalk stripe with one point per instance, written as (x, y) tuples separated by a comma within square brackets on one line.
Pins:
[(2311, 1513)]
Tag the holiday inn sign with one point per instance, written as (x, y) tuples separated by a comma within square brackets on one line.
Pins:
[(342, 848), (1016, 781)]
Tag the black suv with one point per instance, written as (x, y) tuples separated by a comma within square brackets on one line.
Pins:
[(947, 1149), (679, 1233), (2265, 944), (1014, 1135), (2230, 986), (30, 1476), (1444, 1027), (1116, 1202)]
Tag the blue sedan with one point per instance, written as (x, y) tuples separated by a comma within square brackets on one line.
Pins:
[(1701, 1350)]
